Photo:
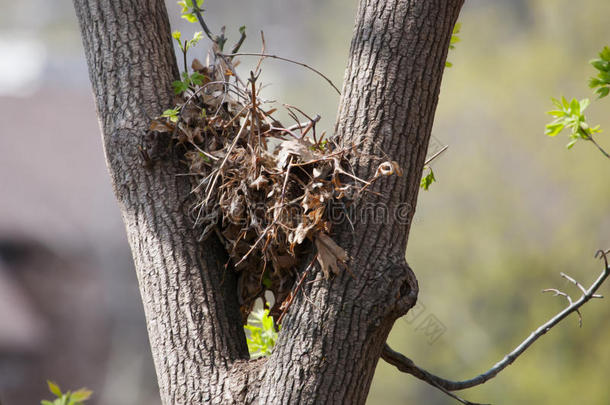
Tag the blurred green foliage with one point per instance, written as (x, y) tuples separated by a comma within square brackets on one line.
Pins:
[(602, 82), (187, 7), (571, 115), (260, 333), (455, 38), (77, 397)]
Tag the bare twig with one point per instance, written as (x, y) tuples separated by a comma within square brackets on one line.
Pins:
[(606, 154), (557, 292), (263, 50), (407, 365), (576, 283), (207, 31), (437, 154), (240, 42), (264, 55), (302, 125)]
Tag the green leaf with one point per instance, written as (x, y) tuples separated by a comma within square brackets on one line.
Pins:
[(584, 103), (54, 388), (454, 40), (556, 113), (600, 64), (605, 53), (197, 78), (182, 3), (177, 35), (428, 179), (172, 114), (262, 334), (64, 399), (187, 9), (242, 29), (81, 395), (196, 38), (179, 86), (571, 143), (45, 402), (603, 92), (574, 107), (557, 103), (190, 17), (584, 126), (267, 281), (554, 129)]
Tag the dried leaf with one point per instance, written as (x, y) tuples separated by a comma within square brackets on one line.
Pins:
[(292, 148), (259, 182), (160, 126), (198, 66), (330, 255), (388, 169)]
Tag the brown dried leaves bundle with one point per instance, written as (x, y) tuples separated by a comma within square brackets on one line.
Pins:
[(262, 188)]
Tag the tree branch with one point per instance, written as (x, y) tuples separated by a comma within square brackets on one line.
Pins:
[(407, 365), (606, 154), (215, 39), (264, 55)]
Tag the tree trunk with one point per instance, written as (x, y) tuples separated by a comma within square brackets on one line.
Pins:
[(333, 334)]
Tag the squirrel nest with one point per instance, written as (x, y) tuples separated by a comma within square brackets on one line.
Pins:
[(261, 187)]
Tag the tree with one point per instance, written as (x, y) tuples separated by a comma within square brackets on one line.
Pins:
[(330, 341)]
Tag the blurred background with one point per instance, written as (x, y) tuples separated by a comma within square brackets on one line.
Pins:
[(511, 209)]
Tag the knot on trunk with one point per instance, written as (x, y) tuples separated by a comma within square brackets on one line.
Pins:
[(403, 288)]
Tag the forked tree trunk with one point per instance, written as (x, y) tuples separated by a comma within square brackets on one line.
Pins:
[(333, 334)]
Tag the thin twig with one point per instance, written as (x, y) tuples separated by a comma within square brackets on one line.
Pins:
[(211, 189), (437, 154), (406, 365), (576, 283), (557, 292), (606, 154), (286, 304), (265, 55), (302, 125), (207, 31), (263, 50), (240, 42)]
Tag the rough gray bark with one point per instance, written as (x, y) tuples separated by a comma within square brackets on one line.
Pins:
[(192, 316), (334, 332)]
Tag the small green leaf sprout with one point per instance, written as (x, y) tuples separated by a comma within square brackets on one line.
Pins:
[(261, 336), (187, 9), (187, 80), (77, 397), (602, 82), (428, 179), (192, 12), (455, 38), (172, 113), (571, 114)]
